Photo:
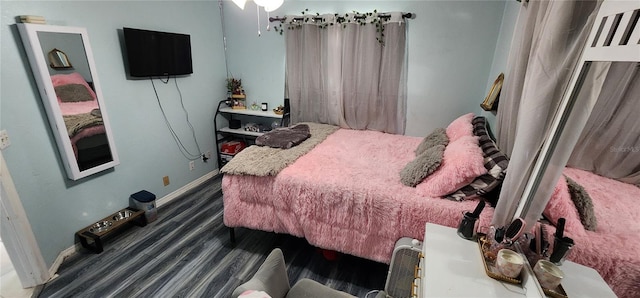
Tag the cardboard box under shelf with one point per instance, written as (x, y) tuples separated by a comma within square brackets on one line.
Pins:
[(232, 147)]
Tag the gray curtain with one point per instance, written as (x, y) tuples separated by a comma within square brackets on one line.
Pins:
[(340, 74), (547, 43), (610, 142)]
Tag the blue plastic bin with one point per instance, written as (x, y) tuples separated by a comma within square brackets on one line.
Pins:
[(144, 200)]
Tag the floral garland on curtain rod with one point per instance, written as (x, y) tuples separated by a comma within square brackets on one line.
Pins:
[(356, 18)]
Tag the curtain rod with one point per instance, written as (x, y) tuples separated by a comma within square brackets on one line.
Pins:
[(406, 15)]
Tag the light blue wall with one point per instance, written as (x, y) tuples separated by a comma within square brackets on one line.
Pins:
[(501, 54), (71, 45), (57, 207), (451, 48), (452, 45)]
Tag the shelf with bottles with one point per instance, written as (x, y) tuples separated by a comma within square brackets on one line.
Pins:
[(250, 112), (247, 124)]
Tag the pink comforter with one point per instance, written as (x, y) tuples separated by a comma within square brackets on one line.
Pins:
[(342, 197), (614, 248), (80, 107), (350, 199)]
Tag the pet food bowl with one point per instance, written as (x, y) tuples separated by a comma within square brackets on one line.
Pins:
[(124, 214), (100, 226)]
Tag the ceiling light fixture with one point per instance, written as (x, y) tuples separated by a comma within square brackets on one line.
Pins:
[(240, 3), (269, 5), (273, 5)]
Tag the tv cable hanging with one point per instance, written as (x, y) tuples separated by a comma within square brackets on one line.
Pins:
[(185, 152)]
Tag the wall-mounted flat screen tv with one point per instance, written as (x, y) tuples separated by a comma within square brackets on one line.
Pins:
[(154, 53)]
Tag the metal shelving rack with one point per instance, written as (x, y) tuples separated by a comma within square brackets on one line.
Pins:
[(227, 132)]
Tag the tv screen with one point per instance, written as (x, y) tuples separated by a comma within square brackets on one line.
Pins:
[(153, 53)]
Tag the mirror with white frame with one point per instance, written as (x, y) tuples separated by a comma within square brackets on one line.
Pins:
[(72, 97), (593, 131), (608, 65)]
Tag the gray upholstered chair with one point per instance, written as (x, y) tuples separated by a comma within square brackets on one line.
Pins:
[(272, 278)]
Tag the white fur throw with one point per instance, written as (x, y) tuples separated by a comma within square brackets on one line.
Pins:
[(266, 161)]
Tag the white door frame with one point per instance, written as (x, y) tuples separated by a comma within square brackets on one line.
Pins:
[(17, 234)]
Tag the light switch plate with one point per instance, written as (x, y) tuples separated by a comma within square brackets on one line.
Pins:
[(4, 139)]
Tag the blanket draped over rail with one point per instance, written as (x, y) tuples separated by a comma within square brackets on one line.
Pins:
[(266, 161)]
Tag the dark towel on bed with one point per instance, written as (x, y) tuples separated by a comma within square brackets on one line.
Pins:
[(284, 138), (73, 93)]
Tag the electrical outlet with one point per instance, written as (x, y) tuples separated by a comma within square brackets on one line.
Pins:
[(206, 156), (4, 139), (192, 165), (165, 180)]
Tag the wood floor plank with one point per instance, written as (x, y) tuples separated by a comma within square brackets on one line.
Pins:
[(187, 253)]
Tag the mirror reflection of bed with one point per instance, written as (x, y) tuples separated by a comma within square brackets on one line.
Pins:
[(587, 165), (77, 99), (83, 119), (72, 96), (93, 151), (605, 166)]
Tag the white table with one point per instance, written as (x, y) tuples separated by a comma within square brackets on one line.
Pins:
[(583, 281), (452, 267)]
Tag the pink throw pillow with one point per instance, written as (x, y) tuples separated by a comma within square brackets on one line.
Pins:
[(254, 294), (65, 79), (460, 127), (461, 164), (561, 205)]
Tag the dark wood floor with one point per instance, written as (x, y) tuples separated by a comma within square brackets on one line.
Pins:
[(187, 253)]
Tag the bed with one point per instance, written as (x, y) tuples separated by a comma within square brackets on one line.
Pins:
[(345, 194), (81, 113), (612, 247)]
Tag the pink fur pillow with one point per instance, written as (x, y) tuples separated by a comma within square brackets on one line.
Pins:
[(461, 164), (64, 79), (561, 205), (460, 127), (254, 294)]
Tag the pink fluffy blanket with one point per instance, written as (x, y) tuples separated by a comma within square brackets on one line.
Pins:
[(343, 195), (346, 195), (613, 249), (77, 108)]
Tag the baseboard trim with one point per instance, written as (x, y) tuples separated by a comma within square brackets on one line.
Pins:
[(159, 202), (182, 190), (61, 256)]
